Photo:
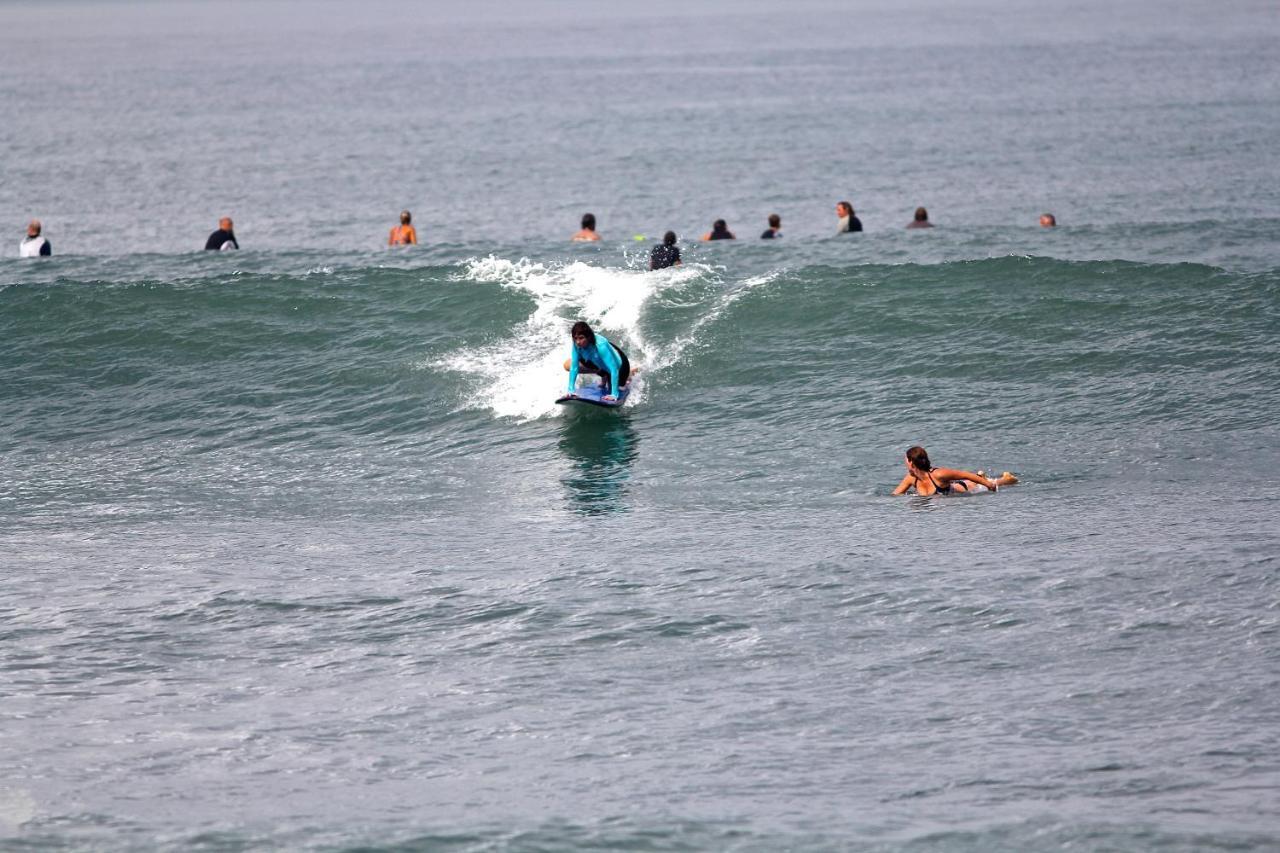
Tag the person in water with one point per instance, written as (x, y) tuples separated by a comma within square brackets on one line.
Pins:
[(666, 255), (848, 221), (594, 353), (921, 219), (929, 480), (224, 238), (775, 228), (1047, 220), (403, 234), (33, 245), (588, 233), (719, 231)]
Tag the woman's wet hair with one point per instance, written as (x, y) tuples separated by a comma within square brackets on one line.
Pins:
[(589, 221), (848, 207), (405, 218), (919, 458), (669, 239), (581, 328), (922, 215)]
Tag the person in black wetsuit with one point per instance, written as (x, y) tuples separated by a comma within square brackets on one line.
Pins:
[(775, 228), (848, 221), (719, 231), (929, 480), (666, 255), (223, 238)]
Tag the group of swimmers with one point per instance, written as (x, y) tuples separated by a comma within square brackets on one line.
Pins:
[(591, 353), (665, 255)]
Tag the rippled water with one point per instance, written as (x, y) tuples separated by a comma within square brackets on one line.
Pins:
[(299, 553)]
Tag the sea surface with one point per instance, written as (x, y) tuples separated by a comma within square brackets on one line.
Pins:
[(298, 553)]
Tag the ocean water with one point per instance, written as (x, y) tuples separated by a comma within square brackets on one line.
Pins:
[(298, 553)]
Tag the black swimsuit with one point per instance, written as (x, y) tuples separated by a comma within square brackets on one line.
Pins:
[(937, 490)]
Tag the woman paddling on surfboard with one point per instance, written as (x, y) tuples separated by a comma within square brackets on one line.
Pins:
[(593, 353), (928, 480)]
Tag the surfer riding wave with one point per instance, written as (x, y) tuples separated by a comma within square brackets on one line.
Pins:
[(593, 353)]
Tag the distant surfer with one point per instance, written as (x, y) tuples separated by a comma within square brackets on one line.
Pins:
[(928, 480), (849, 222), (775, 228), (921, 219), (588, 233), (34, 245), (403, 234), (593, 353), (666, 255), (719, 231), (224, 238), (1047, 220)]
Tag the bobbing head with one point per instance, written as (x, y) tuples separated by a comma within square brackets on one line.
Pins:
[(775, 221), (582, 334), (918, 458), (844, 208), (589, 221), (405, 218), (922, 215), (33, 229), (669, 239)]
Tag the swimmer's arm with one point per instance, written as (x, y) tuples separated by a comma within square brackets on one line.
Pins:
[(953, 474), (904, 485), (413, 236), (391, 238)]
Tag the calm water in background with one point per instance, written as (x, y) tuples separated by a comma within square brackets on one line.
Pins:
[(297, 552)]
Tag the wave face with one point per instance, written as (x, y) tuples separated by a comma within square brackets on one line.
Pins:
[(451, 359)]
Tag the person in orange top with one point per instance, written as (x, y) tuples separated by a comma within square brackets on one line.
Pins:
[(403, 234)]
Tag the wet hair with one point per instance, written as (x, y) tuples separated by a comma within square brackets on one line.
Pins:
[(669, 239), (1048, 219), (581, 328), (775, 221), (922, 215), (919, 458), (846, 206), (589, 221), (719, 227), (405, 218)]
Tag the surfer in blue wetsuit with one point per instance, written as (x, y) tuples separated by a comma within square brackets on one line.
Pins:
[(593, 353), (929, 480)]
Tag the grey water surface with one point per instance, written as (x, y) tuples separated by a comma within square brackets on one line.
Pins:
[(297, 551)]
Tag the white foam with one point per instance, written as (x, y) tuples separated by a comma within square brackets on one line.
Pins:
[(521, 376)]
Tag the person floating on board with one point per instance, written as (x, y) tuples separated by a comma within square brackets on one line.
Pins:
[(719, 231), (588, 233), (848, 221), (33, 245), (666, 255), (403, 234), (224, 238), (921, 219), (928, 480), (775, 228), (593, 353)]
